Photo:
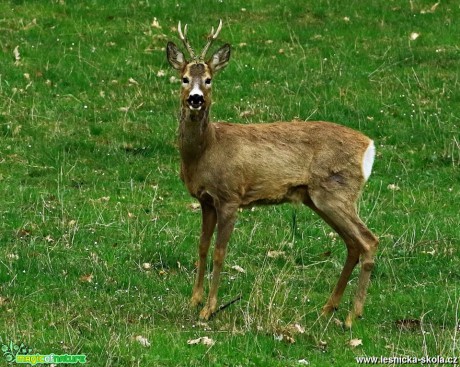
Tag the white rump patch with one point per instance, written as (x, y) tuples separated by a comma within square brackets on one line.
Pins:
[(368, 160)]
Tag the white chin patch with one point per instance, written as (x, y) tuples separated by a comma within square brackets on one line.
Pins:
[(194, 108)]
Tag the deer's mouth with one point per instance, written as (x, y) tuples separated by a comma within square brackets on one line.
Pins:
[(195, 107)]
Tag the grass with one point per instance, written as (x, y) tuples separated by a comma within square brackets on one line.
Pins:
[(90, 186)]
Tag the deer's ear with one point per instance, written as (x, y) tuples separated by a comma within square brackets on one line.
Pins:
[(220, 59), (175, 57)]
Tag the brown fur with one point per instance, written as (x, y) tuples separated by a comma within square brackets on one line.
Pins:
[(267, 162), (228, 166)]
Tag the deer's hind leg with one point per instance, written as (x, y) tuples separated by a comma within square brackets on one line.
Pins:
[(361, 244)]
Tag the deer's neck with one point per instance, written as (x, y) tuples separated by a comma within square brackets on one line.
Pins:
[(195, 133)]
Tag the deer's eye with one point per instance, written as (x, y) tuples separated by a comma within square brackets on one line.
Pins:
[(208, 81), (185, 80)]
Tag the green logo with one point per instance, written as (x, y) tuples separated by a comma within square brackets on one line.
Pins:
[(22, 354), (10, 351), (33, 359)]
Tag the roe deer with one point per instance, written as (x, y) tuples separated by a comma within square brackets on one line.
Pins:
[(228, 166)]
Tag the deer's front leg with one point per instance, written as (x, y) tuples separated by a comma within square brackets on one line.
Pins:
[(209, 219), (226, 217)]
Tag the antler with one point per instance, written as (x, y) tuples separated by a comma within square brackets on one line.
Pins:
[(212, 36), (183, 36)]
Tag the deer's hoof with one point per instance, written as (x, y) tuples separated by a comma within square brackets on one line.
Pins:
[(195, 301), (206, 312), (328, 309)]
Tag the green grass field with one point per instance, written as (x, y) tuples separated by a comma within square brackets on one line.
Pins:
[(98, 236)]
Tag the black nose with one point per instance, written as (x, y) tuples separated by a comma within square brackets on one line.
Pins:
[(195, 100)]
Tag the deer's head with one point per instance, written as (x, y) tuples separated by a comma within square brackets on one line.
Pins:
[(197, 73)]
